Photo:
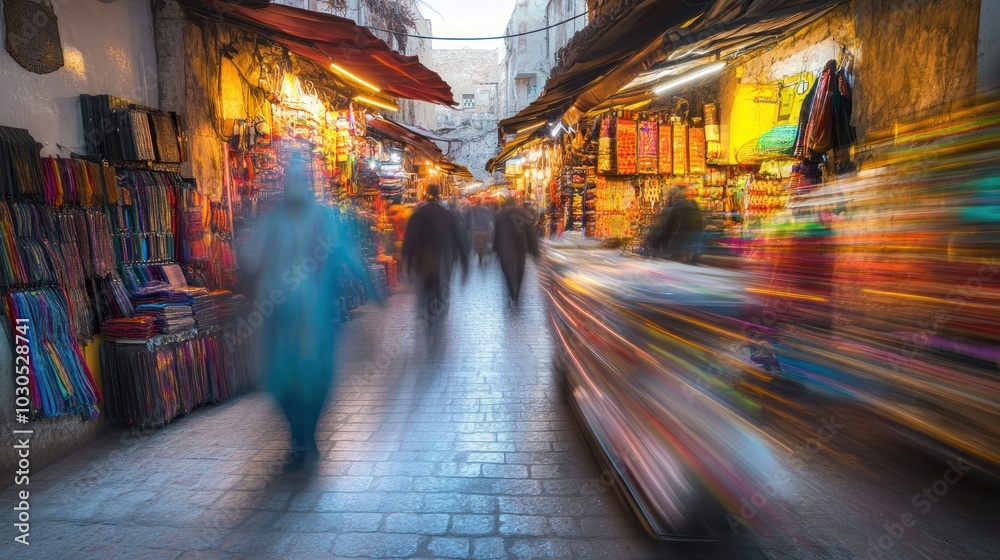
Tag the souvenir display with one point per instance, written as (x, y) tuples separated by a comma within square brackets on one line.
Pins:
[(648, 157), (60, 381), (138, 134), (626, 147), (20, 167)]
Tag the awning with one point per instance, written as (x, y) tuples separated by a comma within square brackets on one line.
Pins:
[(619, 40), (423, 145), (661, 34), (325, 39), (512, 146)]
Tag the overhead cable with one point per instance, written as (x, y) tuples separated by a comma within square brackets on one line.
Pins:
[(577, 16)]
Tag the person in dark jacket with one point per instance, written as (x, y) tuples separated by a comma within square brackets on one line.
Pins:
[(514, 238), (433, 242), (680, 229)]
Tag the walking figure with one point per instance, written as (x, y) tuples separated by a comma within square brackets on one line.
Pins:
[(433, 242), (296, 268), (514, 237)]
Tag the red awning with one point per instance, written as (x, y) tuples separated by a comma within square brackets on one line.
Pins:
[(321, 37)]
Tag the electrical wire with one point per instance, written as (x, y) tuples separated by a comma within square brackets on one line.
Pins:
[(557, 24)]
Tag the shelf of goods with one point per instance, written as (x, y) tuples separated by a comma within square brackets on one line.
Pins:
[(650, 353)]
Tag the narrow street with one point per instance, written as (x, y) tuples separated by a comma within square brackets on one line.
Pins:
[(463, 450)]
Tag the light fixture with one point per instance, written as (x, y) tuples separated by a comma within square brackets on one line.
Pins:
[(532, 127), (395, 157), (558, 127), (701, 72), (376, 103), (346, 74)]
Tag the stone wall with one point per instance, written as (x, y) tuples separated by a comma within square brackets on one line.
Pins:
[(909, 56), (916, 54), (476, 73)]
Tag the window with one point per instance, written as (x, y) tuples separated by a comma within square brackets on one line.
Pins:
[(468, 101)]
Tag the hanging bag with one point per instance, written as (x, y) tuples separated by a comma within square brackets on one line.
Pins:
[(33, 35)]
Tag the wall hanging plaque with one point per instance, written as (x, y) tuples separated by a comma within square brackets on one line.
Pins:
[(696, 150), (648, 141), (666, 149), (606, 147), (680, 148), (33, 35), (627, 146)]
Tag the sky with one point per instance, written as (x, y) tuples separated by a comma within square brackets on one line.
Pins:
[(462, 18)]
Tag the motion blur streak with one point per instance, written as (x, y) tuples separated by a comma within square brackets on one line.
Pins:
[(879, 291)]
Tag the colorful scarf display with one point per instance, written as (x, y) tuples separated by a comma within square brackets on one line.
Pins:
[(60, 381)]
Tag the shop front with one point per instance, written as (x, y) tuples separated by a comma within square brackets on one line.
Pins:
[(121, 258)]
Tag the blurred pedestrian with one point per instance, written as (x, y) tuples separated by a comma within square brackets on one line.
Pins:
[(297, 265), (433, 242), (553, 217), (679, 232), (399, 216), (481, 228), (513, 239)]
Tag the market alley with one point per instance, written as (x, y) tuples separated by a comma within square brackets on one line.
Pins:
[(467, 450)]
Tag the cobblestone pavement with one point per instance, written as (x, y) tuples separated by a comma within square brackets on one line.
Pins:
[(463, 449)]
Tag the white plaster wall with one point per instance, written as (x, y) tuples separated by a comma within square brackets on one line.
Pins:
[(107, 48)]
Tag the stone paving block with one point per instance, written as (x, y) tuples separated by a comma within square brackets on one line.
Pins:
[(420, 523), (484, 446), (566, 527), (458, 503), (449, 547), (478, 457), (477, 436), (312, 545), (313, 522), (540, 548), (395, 483), (510, 486), (544, 505), (376, 545), (488, 548), (491, 470), (459, 469), (473, 525), (404, 469), (531, 525)]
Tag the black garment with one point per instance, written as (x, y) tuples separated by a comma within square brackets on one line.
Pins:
[(434, 241), (679, 231), (514, 238)]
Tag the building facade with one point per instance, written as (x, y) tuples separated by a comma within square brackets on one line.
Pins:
[(531, 46), (475, 77)]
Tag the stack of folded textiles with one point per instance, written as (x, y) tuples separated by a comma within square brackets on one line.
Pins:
[(170, 307), (229, 307), (203, 305), (131, 327)]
